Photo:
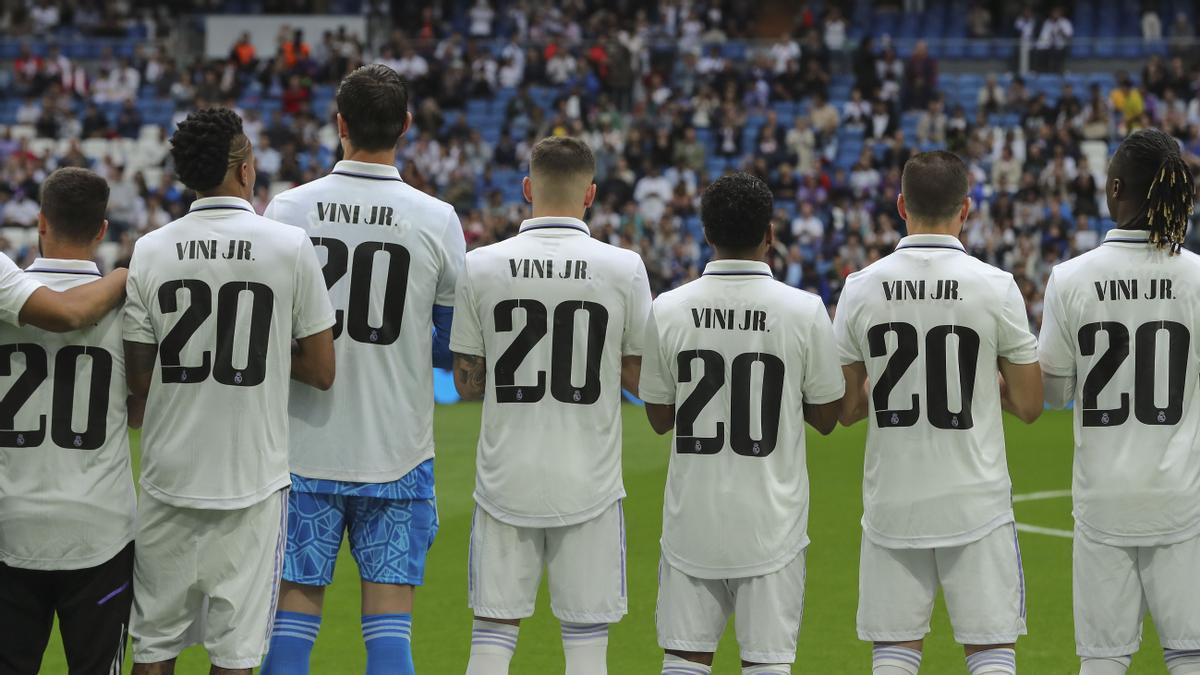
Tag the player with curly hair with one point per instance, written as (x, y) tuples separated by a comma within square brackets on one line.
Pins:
[(224, 306)]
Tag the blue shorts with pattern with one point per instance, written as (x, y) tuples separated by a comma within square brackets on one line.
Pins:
[(390, 527)]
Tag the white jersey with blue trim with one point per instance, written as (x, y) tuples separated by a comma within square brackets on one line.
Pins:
[(1123, 320), (738, 354), (222, 292), (390, 253), (552, 310), (15, 289), (930, 322), (66, 486)]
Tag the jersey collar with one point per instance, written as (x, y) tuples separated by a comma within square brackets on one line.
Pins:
[(64, 266), (366, 170), (1119, 236), (738, 268), (931, 241), (220, 203), (555, 223)]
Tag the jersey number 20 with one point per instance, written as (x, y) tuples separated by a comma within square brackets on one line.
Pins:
[(66, 367), (937, 385)]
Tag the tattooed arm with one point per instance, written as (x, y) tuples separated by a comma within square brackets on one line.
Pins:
[(470, 376)]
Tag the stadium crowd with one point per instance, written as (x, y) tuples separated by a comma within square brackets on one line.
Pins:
[(657, 96)]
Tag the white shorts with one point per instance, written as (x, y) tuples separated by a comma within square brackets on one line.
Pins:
[(206, 576), (586, 563), (767, 610), (982, 581), (1114, 587)]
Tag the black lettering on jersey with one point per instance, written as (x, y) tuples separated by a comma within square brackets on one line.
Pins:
[(574, 269), (726, 319), (197, 249), (239, 249), (946, 289), (380, 215), (331, 212), (902, 289), (1117, 289), (1160, 289)]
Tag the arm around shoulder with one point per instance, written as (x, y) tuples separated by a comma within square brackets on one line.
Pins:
[(76, 308)]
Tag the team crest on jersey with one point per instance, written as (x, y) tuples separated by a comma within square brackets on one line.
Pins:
[(954, 421), (578, 397), (520, 394), (78, 440), (20, 439), (183, 376), (1103, 418), (1162, 417), (374, 337), (237, 377), (754, 448), (895, 419), (699, 446)]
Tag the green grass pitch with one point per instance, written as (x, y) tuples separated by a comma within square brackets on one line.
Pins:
[(1040, 460)]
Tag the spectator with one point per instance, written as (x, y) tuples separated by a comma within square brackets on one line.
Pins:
[(129, 120), (482, 16), (920, 77), (991, 95), (931, 126), (1054, 40), (979, 21), (882, 123), (835, 30), (1181, 35), (1151, 26), (243, 52)]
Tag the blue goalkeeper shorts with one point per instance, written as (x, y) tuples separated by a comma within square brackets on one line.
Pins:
[(389, 538)]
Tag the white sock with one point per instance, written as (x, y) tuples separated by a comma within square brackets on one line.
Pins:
[(1182, 661), (585, 646), (673, 665), (767, 669), (492, 647), (893, 660), (1001, 661), (1109, 665)]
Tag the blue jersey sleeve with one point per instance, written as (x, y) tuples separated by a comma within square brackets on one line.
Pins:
[(442, 319)]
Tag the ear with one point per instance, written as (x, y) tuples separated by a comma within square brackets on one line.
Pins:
[(527, 189), (103, 231), (900, 207), (769, 237), (589, 196), (343, 130), (43, 226), (966, 210), (1116, 188), (407, 122)]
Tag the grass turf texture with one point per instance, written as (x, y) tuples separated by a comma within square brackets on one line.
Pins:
[(1039, 458)]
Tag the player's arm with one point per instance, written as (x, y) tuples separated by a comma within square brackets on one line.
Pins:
[(662, 417), (443, 320), (135, 407), (139, 370), (631, 373), (1021, 389), (313, 360), (79, 307), (470, 376), (853, 406), (823, 417)]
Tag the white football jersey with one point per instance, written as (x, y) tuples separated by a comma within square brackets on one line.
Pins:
[(223, 292), (930, 322), (1124, 321), (15, 289), (66, 486), (391, 252), (553, 311), (738, 354)]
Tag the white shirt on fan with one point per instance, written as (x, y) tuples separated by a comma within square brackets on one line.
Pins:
[(737, 488), (1124, 322), (553, 311), (936, 474), (391, 252), (66, 486), (222, 292)]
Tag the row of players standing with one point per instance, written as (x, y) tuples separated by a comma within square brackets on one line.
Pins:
[(223, 306)]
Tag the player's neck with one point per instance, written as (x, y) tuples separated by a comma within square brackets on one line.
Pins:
[(946, 229), (740, 256), (557, 212), (225, 191), (384, 157), (67, 251)]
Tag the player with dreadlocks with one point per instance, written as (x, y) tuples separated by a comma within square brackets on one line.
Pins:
[(1120, 338), (224, 305)]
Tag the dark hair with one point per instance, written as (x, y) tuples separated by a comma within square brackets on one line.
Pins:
[(562, 156), (934, 185), (1149, 163), (203, 147), (74, 201), (736, 211), (374, 102)]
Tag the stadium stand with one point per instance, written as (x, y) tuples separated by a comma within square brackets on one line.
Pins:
[(669, 94)]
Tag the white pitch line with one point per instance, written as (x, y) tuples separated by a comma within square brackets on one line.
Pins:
[(1065, 534), (1035, 496)]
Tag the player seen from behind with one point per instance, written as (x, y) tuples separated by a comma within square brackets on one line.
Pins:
[(362, 454), (558, 317), (934, 343), (223, 306), (736, 362), (66, 487), (1121, 339)]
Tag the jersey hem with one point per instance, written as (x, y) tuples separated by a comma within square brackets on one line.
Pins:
[(661, 401), (746, 571), (1020, 361), (1057, 372), (545, 522), (370, 476), (822, 400), (67, 564), (309, 331), (1130, 541), (215, 503), (463, 349), (937, 541)]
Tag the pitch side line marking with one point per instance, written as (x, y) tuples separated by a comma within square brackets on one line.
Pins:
[(1036, 529)]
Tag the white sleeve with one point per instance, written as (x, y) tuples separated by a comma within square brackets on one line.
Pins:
[(269, 212), (657, 383), (849, 351), (637, 309), (1059, 391), (15, 289), (1014, 340), (312, 312), (1056, 344), (466, 333), (454, 249), (136, 325), (823, 379)]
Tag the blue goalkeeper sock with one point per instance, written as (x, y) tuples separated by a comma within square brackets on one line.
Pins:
[(389, 643), (292, 639)]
